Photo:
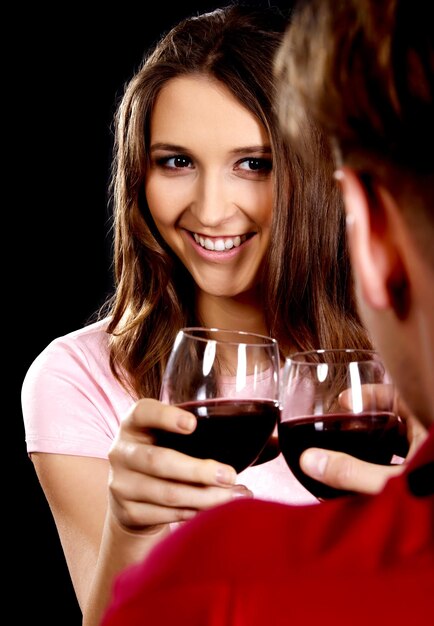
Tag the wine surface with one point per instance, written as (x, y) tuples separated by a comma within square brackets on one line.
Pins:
[(373, 437), (230, 431)]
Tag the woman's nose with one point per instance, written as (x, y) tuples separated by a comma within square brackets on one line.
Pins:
[(212, 203)]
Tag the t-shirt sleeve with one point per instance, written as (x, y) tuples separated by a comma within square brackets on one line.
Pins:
[(66, 409)]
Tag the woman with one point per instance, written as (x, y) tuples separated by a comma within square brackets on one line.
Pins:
[(217, 223)]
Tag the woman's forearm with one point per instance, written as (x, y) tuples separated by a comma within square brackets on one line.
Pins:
[(119, 548)]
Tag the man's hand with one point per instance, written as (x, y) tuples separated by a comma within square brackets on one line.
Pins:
[(351, 474)]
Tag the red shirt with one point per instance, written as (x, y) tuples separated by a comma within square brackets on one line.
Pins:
[(354, 560)]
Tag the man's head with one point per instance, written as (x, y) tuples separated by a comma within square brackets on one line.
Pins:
[(364, 71)]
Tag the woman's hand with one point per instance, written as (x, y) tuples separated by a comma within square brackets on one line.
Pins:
[(150, 486)]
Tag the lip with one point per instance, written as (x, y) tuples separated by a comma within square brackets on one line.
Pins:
[(216, 255)]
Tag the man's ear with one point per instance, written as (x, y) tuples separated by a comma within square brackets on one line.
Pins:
[(375, 251)]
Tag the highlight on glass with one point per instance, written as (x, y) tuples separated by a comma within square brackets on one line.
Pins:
[(341, 400)]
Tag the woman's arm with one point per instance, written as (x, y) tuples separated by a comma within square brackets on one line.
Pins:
[(110, 513)]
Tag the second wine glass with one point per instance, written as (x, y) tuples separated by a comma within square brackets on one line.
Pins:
[(230, 381), (341, 400)]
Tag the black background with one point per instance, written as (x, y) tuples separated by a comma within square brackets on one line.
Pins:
[(64, 72)]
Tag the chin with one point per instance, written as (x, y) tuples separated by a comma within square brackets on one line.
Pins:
[(225, 289), (223, 293)]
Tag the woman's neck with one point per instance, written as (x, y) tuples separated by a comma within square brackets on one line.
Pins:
[(244, 312)]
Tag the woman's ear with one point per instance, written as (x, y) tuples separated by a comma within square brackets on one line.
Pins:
[(375, 252)]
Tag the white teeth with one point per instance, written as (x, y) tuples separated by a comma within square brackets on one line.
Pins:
[(220, 244)]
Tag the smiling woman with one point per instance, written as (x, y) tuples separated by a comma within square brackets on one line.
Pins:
[(209, 187), (217, 223)]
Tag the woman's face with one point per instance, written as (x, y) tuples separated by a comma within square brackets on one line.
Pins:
[(209, 186)]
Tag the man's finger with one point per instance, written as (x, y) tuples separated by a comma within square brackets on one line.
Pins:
[(343, 471)]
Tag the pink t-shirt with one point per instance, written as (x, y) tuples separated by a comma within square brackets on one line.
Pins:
[(72, 404)]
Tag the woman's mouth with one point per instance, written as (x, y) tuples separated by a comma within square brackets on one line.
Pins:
[(220, 244)]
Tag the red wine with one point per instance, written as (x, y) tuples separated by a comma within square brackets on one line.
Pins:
[(230, 431), (373, 437)]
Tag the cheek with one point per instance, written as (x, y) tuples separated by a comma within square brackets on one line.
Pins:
[(257, 200), (164, 200)]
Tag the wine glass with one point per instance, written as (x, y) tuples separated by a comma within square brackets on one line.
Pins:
[(229, 380), (338, 399)]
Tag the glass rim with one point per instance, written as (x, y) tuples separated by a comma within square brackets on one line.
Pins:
[(296, 357), (190, 331)]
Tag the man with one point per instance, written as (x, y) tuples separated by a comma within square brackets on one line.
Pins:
[(363, 70)]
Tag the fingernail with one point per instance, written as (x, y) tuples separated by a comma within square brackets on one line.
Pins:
[(314, 463), (239, 491), (226, 476), (186, 422)]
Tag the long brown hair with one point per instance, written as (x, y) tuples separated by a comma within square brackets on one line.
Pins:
[(306, 282)]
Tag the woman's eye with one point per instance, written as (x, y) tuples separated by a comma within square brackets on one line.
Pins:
[(262, 166), (175, 162)]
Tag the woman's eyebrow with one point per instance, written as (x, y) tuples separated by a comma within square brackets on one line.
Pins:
[(167, 146), (249, 149), (261, 149)]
